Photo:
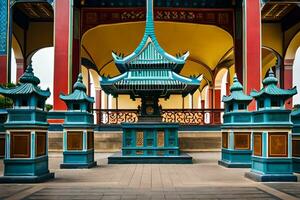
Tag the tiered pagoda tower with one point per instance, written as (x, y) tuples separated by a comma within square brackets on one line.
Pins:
[(150, 73), (26, 150)]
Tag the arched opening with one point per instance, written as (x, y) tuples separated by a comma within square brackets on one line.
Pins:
[(43, 66), (296, 80), (291, 67), (205, 54), (31, 31)]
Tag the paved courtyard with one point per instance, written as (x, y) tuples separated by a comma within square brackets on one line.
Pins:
[(202, 180)]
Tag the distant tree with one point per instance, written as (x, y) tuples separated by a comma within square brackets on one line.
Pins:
[(49, 107), (4, 101)]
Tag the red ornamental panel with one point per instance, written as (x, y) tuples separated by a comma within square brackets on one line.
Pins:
[(92, 17)]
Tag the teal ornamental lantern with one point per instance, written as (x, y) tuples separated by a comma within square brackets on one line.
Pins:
[(295, 115), (26, 152), (150, 73), (236, 133), (78, 133), (272, 133)]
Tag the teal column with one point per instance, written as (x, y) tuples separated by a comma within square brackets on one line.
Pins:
[(7, 146), (231, 140), (47, 143), (3, 26), (84, 140), (265, 144), (290, 145), (4, 78), (65, 138), (32, 145)]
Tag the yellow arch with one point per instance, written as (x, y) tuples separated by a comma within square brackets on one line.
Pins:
[(293, 46)]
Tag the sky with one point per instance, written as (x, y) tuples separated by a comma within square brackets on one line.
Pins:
[(43, 65)]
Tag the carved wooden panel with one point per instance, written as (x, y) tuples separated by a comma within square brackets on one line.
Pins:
[(257, 144), (242, 141), (225, 140), (74, 140), (160, 139), (90, 140), (278, 146), (40, 144), (296, 147), (92, 17), (2, 146), (20, 145), (139, 139)]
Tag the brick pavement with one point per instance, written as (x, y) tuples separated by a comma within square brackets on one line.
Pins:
[(202, 180)]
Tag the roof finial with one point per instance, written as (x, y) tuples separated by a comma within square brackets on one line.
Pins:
[(28, 76), (79, 84), (236, 85), (271, 73), (235, 78), (271, 79), (149, 18)]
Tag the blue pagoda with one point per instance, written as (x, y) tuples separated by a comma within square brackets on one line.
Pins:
[(78, 133), (26, 152), (236, 137), (272, 133), (150, 73)]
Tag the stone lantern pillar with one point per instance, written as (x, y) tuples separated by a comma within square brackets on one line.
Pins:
[(272, 133), (78, 133), (26, 151), (236, 136)]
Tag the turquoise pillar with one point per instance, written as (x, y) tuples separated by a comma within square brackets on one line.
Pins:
[(26, 151), (236, 131), (272, 134), (78, 133)]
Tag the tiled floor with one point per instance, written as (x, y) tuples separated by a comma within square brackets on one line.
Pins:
[(202, 180)]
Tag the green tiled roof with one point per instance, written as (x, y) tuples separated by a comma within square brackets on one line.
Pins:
[(168, 83), (28, 84), (237, 93), (149, 70), (149, 53), (271, 89), (79, 93)]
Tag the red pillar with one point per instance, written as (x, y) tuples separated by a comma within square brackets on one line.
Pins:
[(217, 98), (252, 52), (61, 52), (210, 98), (202, 104), (20, 68), (98, 103), (3, 69), (76, 45), (288, 79)]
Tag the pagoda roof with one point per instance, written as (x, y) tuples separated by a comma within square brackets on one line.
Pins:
[(236, 92), (149, 53), (79, 93), (161, 83), (271, 89), (28, 84)]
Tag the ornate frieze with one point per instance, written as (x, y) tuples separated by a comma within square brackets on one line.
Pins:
[(223, 18)]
